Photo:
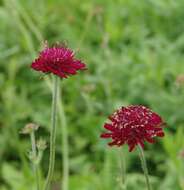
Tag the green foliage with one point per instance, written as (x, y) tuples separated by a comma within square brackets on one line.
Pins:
[(15, 178), (134, 53)]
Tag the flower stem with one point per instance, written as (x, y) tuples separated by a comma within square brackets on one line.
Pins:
[(52, 134), (144, 167), (34, 154), (64, 144), (122, 169)]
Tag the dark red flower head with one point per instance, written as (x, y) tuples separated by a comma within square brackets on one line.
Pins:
[(133, 125), (58, 60)]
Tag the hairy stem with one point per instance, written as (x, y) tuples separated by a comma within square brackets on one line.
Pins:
[(34, 154), (144, 167), (52, 135), (122, 169), (64, 144)]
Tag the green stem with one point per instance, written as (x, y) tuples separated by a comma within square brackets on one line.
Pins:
[(65, 151), (52, 135), (34, 154), (144, 167), (123, 169)]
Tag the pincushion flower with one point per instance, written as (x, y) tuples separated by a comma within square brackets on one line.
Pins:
[(58, 60), (133, 125)]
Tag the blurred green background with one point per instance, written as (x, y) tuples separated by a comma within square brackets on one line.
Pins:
[(134, 51)]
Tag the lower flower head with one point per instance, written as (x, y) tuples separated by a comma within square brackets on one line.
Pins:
[(58, 60), (133, 125)]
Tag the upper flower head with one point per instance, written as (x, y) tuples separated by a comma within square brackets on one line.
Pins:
[(58, 60), (133, 125)]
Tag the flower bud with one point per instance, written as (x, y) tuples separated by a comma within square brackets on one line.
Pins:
[(41, 145), (29, 128)]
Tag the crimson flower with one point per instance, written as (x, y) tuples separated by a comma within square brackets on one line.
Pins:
[(58, 60), (133, 125)]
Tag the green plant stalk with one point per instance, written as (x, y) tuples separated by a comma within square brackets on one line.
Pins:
[(52, 135), (122, 169), (107, 167), (34, 154), (64, 133), (144, 167), (65, 151)]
